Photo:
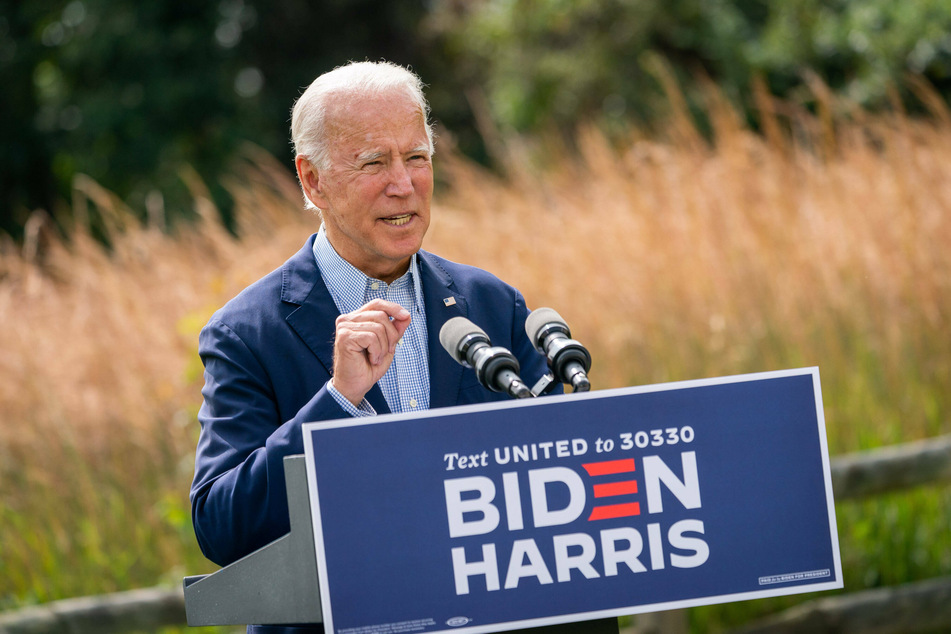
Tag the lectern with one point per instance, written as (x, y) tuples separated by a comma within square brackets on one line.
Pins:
[(278, 583), (560, 513)]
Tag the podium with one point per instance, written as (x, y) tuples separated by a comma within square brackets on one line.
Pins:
[(556, 515), (278, 584)]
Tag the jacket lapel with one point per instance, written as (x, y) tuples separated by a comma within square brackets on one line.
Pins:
[(445, 374), (316, 313)]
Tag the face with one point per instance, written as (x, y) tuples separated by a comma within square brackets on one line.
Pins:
[(375, 195)]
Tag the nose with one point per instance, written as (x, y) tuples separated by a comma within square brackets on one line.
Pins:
[(401, 183)]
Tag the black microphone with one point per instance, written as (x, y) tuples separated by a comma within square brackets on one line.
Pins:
[(496, 368), (568, 360)]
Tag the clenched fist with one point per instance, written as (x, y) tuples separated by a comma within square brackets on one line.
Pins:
[(364, 346)]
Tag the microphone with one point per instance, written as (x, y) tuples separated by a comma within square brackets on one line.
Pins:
[(568, 360), (496, 368)]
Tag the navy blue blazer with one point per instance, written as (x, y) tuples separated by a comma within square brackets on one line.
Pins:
[(268, 355)]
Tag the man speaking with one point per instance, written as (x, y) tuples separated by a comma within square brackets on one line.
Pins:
[(348, 326)]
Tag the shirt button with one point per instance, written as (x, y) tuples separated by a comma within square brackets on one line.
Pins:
[(375, 285), (412, 402)]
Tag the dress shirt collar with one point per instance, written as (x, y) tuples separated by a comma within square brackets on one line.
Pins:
[(348, 285)]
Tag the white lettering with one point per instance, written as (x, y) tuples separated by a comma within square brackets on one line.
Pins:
[(579, 446), (699, 547), (502, 458), (612, 556), (456, 507), (687, 491), (656, 546), (565, 562), (513, 501), (534, 568), (463, 569), (538, 479), (619, 547)]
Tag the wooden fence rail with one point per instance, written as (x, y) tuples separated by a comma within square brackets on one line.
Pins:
[(924, 606), (916, 607), (894, 468), (144, 610)]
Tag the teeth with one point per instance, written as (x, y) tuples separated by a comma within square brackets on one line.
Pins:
[(398, 220)]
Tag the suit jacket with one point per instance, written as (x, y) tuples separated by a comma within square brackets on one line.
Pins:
[(268, 356)]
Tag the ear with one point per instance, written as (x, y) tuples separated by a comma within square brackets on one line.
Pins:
[(310, 181)]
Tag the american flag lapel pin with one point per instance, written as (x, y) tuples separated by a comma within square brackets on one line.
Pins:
[(449, 301)]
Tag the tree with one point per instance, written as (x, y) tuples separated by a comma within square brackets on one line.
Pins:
[(132, 93), (550, 63)]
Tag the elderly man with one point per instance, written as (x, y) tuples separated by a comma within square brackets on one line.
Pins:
[(349, 325)]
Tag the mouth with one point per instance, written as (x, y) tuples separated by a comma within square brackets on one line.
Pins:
[(398, 221)]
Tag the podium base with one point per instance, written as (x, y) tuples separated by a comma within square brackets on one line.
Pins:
[(601, 626), (276, 584)]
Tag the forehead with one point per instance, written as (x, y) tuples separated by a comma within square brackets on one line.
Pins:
[(362, 123)]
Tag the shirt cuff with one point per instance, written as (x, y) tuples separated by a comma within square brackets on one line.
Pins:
[(365, 408)]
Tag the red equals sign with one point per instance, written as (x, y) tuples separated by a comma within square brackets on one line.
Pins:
[(613, 489)]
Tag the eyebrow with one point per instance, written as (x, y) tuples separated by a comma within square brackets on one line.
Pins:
[(373, 156), (370, 156)]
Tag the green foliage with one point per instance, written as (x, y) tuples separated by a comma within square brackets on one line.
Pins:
[(859, 48), (552, 62), (107, 96), (131, 93)]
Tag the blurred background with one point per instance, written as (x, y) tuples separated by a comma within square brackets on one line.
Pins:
[(700, 187)]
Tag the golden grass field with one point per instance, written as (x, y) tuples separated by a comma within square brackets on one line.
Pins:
[(824, 240)]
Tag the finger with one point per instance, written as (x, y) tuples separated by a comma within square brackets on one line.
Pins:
[(401, 324), (392, 317), (392, 309), (371, 339), (398, 316), (377, 323), (393, 312)]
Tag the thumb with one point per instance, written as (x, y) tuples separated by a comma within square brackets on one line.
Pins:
[(401, 321)]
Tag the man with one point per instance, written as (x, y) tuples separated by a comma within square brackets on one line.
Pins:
[(349, 325)]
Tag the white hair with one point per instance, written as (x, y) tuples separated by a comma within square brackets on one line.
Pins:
[(355, 80)]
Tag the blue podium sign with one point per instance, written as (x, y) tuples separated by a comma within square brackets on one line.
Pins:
[(568, 508)]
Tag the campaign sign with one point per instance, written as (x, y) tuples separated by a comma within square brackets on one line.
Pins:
[(568, 508)]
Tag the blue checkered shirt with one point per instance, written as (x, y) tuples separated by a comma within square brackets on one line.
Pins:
[(405, 385)]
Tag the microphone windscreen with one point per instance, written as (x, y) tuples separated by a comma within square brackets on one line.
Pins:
[(454, 332), (538, 319)]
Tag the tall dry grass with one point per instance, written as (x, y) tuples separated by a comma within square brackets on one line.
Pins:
[(821, 241), (675, 258)]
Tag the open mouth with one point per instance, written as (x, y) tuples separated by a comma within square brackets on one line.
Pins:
[(398, 221)]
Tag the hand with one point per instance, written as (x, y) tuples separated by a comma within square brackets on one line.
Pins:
[(364, 346)]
